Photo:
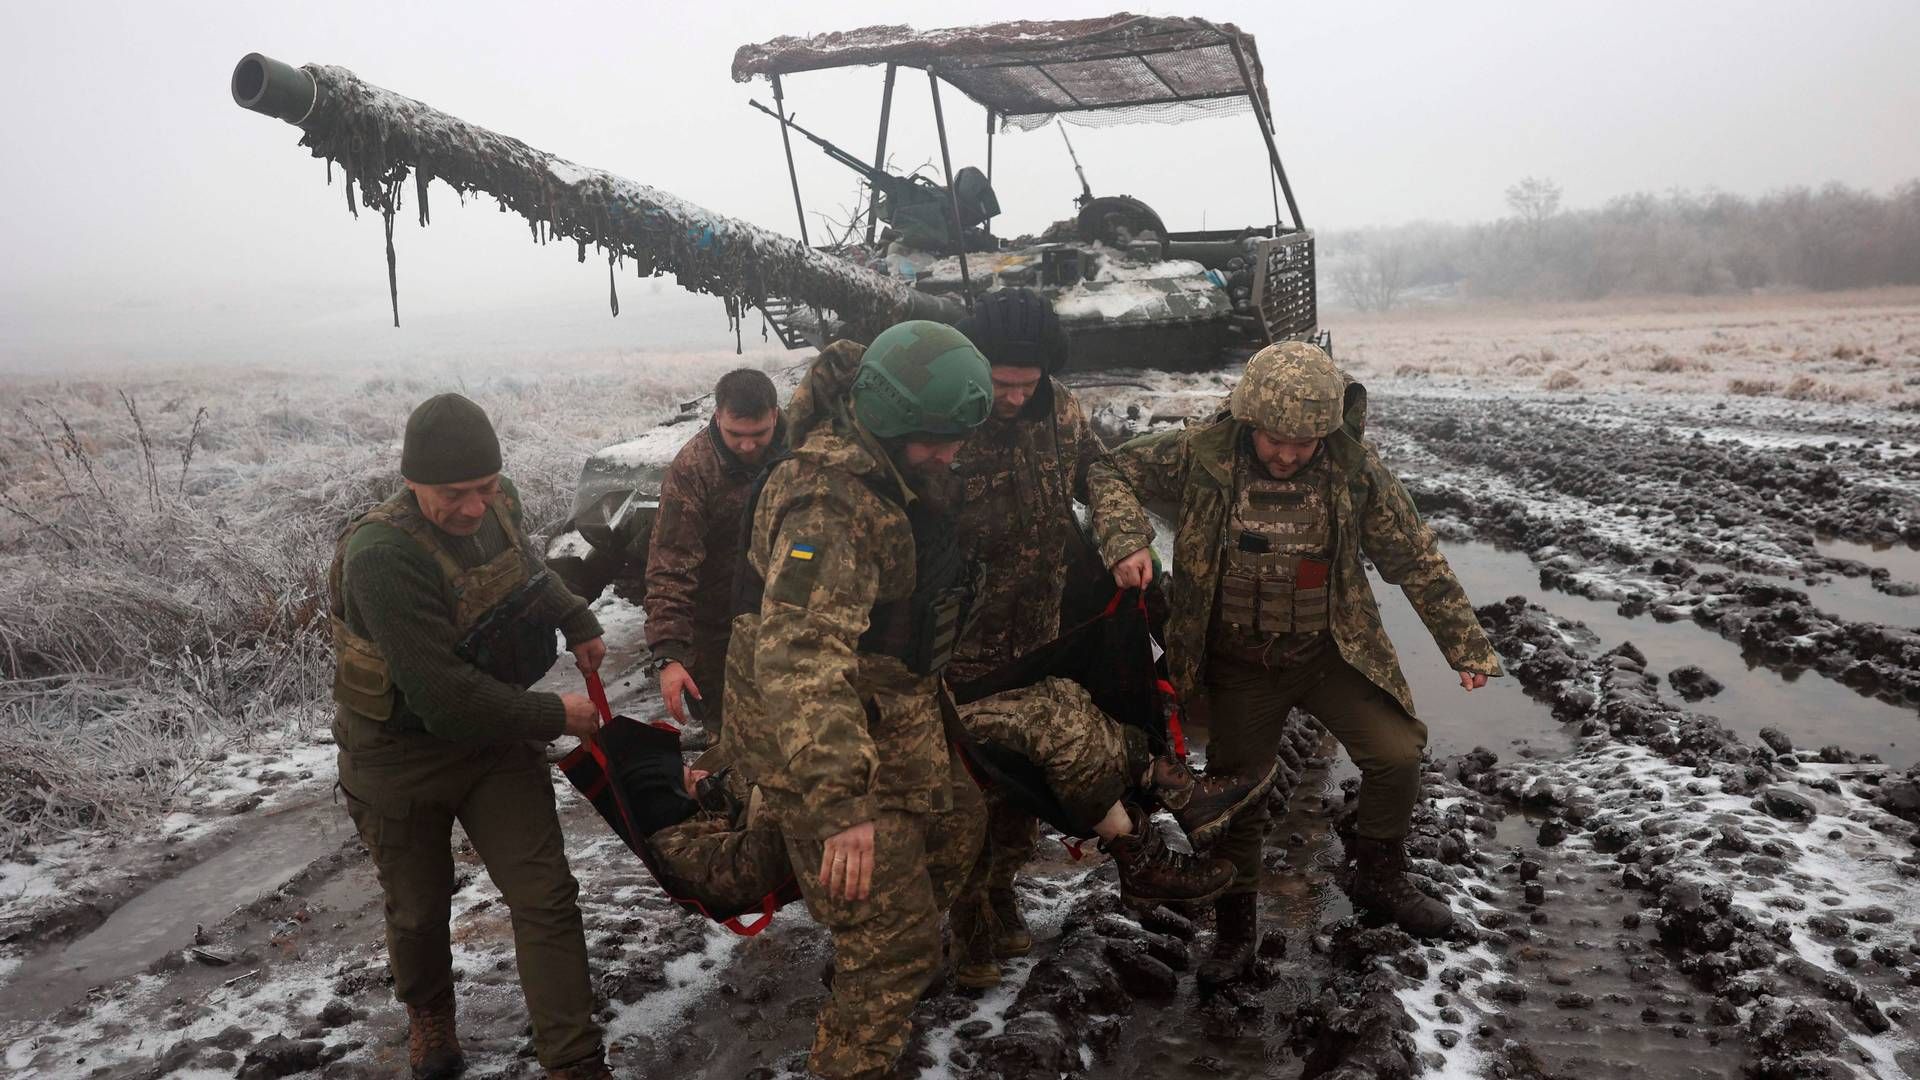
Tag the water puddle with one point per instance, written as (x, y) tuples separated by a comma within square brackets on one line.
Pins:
[(1602, 1000), (1814, 711), (1856, 599), (266, 853), (1900, 560), (1499, 716)]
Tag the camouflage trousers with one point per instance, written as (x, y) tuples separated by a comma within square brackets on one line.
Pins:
[(886, 948), (727, 863), (1250, 703), (1090, 761), (404, 791)]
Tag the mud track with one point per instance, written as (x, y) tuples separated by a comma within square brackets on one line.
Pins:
[(1651, 885)]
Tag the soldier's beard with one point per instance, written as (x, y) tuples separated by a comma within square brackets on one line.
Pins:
[(939, 487)]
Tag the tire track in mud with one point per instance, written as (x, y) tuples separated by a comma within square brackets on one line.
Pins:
[(1617, 504)]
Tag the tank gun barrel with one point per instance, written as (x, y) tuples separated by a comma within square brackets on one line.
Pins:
[(379, 138)]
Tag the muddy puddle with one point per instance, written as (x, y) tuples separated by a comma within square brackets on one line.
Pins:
[(1602, 998), (1902, 561), (1242, 1031), (1499, 716), (1812, 710), (1856, 599), (263, 854)]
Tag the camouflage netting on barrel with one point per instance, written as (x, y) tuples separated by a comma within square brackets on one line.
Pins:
[(380, 139)]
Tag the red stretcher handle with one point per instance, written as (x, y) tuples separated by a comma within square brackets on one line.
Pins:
[(597, 690), (759, 922)]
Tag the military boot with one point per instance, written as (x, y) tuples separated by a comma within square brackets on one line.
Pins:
[(433, 1049), (970, 926), (1380, 887), (1152, 873), (593, 1068), (1011, 937), (1236, 938), (1205, 805)]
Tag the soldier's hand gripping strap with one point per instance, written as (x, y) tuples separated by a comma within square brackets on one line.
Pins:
[(631, 773)]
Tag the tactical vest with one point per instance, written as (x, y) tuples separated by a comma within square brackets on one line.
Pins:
[(921, 629), (362, 679), (1275, 568)]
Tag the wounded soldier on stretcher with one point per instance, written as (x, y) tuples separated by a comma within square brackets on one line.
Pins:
[(1046, 746)]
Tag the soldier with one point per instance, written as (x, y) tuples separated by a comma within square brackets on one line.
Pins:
[(850, 597), (440, 624), (1278, 498), (696, 543), (1022, 470)]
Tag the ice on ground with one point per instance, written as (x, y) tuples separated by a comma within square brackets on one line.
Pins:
[(690, 977)]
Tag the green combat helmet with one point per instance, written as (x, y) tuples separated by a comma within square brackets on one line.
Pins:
[(922, 378), (1291, 390)]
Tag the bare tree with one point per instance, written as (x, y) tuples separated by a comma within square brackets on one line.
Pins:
[(1534, 201), (1374, 280)]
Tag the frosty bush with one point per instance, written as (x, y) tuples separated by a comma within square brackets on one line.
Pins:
[(163, 565)]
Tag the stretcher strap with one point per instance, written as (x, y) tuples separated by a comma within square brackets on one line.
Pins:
[(1175, 733), (598, 692), (760, 921)]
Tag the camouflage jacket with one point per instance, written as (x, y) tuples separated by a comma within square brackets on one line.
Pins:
[(696, 545), (1021, 478), (1371, 513), (831, 734)]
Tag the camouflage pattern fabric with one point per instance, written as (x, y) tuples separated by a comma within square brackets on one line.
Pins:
[(1290, 390), (1089, 758), (836, 737), (1012, 837), (886, 948), (1192, 469), (693, 552), (1021, 478), (724, 865)]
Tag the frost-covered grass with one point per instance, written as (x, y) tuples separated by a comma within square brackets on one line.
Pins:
[(1838, 348), (164, 541)]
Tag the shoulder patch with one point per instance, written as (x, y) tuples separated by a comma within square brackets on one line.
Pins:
[(791, 579)]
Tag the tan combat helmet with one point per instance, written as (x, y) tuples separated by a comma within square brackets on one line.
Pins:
[(1290, 390)]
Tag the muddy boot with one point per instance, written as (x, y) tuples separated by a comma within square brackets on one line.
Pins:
[(970, 927), (1011, 937), (1380, 887), (1236, 937), (433, 1049), (1205, 805), (593, 1068), (1151, 873)]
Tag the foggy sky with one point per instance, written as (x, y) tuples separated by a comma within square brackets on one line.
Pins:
[(148, 218)]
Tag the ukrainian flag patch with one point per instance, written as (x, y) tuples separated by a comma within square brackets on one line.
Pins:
[(803, 552)]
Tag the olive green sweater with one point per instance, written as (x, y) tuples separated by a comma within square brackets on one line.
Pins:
[(397, 597)]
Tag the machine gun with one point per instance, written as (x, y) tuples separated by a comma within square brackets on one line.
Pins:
[(1086, 193), (915, 206)]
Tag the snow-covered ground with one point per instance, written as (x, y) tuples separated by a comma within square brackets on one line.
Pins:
[(274, 927)]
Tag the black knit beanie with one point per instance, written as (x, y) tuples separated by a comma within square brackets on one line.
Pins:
[(449, 441)]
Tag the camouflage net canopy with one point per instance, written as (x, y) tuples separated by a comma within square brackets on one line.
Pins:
[(379, 138), (1112, 70)]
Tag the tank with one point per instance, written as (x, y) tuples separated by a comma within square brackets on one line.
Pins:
[(1130, 291)]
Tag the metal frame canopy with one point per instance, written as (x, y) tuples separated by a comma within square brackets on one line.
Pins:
[(1145, 67)]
